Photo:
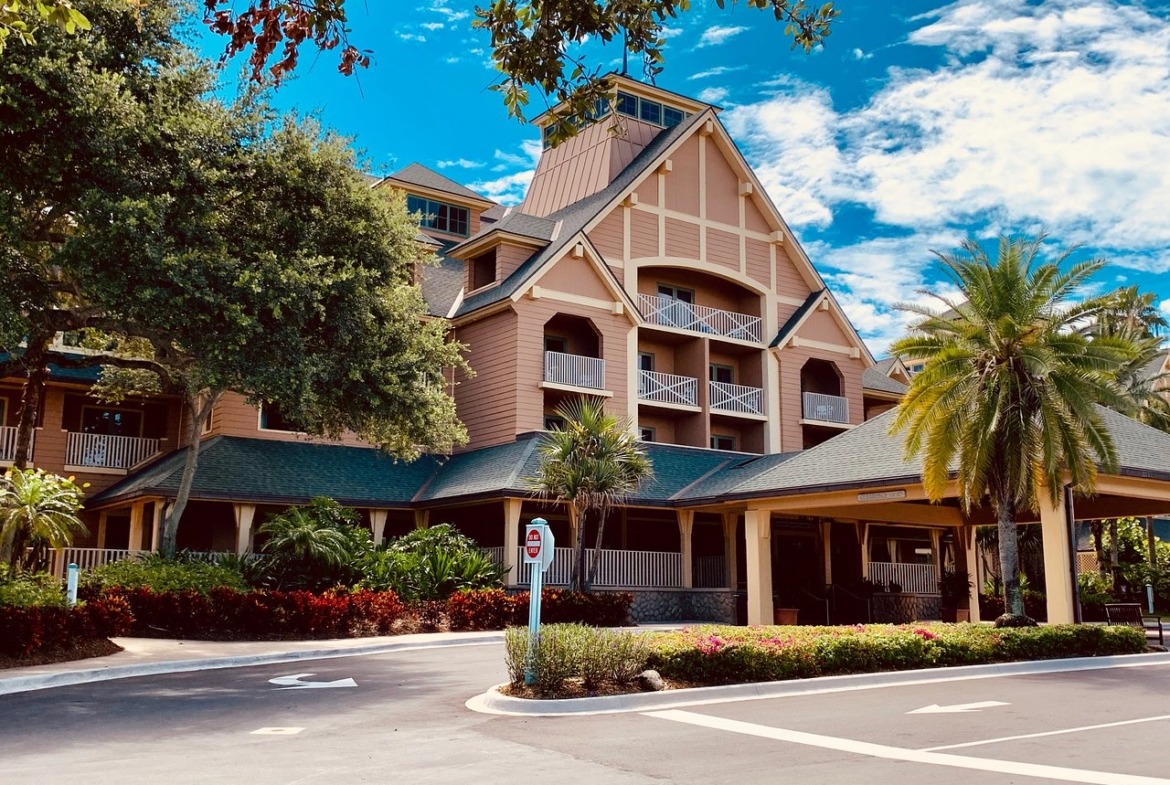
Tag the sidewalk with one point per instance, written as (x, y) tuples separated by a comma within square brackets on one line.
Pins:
[(150, 656)]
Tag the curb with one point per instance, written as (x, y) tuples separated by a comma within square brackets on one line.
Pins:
[(44, 681), (493, 702)]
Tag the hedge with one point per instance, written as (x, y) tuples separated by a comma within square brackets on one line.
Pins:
[(29, 630), (710, 655), (495, 609), (227, 614)]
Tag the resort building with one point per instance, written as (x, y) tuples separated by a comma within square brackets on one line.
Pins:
[(646, 266)]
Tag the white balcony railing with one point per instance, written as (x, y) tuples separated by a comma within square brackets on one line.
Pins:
[(633, 569), (574, 370), (108, 452), (669, 312), (913, 578), (8, 443), (829, 408), (668, 388), (736, 398)]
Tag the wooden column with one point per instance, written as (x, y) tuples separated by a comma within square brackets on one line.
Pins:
[(378, 525), (827, 545), (244, 515), (863, 538), (686, 526), (137, 512), (730, 549), (512, 509), (936, 553), (160, 513), (103, 517), (970, 545), (758, 537), (422, 519), (1058, 586)]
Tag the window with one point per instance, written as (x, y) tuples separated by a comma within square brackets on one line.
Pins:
[(671, 117), (645, 361), (553, 343), (723, 374), (111, 422), (483, 270), (676, 293), (917, 367), (627, 104), (646, 434), (650, 111), (272, 420), (720, 442), (554, 422), (440, 216)]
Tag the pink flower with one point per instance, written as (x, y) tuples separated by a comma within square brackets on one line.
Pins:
[(926, 635)]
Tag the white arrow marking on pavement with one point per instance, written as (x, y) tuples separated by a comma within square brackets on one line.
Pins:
[(958, 708), (294, 682)]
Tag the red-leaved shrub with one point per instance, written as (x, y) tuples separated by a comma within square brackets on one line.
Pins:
[(494, 609), (27, 630)]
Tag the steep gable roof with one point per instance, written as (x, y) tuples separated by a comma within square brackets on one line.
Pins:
[(417, 174), (874, 379)]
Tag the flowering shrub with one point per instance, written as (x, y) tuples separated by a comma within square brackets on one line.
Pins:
[(726, 655), (495, 609), (227, 614), (28, 630)]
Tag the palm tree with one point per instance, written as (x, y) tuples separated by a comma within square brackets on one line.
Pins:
[(591, 463), (1006, 400), (1130, 314), (38, 510)]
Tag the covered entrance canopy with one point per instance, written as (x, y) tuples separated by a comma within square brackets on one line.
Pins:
[(860, 476)]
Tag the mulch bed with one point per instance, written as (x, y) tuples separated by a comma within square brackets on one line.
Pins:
[(98, 648), (573, 688)]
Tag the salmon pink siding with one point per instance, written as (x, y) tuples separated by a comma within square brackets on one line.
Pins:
[(234, 416), (758, 263), (576, 277), (754, 219), (608, 237), (509, 256), (682, 182), (722, 189), (487, 404), (643, 234), (682, 239)]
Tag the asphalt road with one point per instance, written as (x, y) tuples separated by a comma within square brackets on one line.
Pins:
[(405, 721)]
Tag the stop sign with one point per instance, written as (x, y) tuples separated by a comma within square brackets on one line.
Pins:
[(533, 543)]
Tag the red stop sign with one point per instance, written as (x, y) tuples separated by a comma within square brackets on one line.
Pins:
[(533, 543)]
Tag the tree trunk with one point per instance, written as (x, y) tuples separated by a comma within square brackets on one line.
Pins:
[(578, 579), (1009, 557), (35, 360), (198, 411), (1098, 530), (596, 550), (1114, 560)]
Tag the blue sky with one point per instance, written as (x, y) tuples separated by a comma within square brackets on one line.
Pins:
[(917, 124)]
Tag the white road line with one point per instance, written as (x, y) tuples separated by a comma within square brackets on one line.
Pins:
[(913, 756), (276, 731), (1047, 733)]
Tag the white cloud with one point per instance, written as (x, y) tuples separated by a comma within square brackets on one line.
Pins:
[(433, 25), (1052, 116), (713, 36), (1164, 307), (451, 60), (667, 33), (712, 95), (718, 70), (461, 163), (422, 39), (510, 188)]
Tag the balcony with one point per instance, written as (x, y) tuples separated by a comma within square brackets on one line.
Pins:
[(826, 408), (736, 399), (100, 451), (669, 312), (666, 388), (8, 444), (573, 370)]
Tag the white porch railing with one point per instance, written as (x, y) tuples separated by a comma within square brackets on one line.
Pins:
[(830, 408), (88, 558), (575, 370), (913, 578), (736, 398), (108, 452), (8, 443), (668, 388), (632, 569), (669, 312)]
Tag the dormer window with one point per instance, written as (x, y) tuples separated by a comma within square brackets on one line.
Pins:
[(440, 216), (483, 270)]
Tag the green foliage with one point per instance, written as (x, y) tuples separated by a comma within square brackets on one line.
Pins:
[(430, 564), (592, 463), (315, 547), (568, 651), (1009, 388), (21, 18), (38, 510), (28, 589), (162, 574), (727, 655)]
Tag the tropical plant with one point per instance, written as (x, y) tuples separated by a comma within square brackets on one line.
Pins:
[(38, 511), (591, 464), (430, 564), (314, 547), (1006, 401)]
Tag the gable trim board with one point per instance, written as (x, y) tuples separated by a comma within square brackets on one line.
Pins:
[(591, 255), (822, 300)]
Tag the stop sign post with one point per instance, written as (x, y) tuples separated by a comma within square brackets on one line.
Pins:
[(539, 545)]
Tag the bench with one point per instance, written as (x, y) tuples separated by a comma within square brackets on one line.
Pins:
[(1130, 613)]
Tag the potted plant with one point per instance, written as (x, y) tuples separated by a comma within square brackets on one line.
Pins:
[(955, 588), (784, 611)]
